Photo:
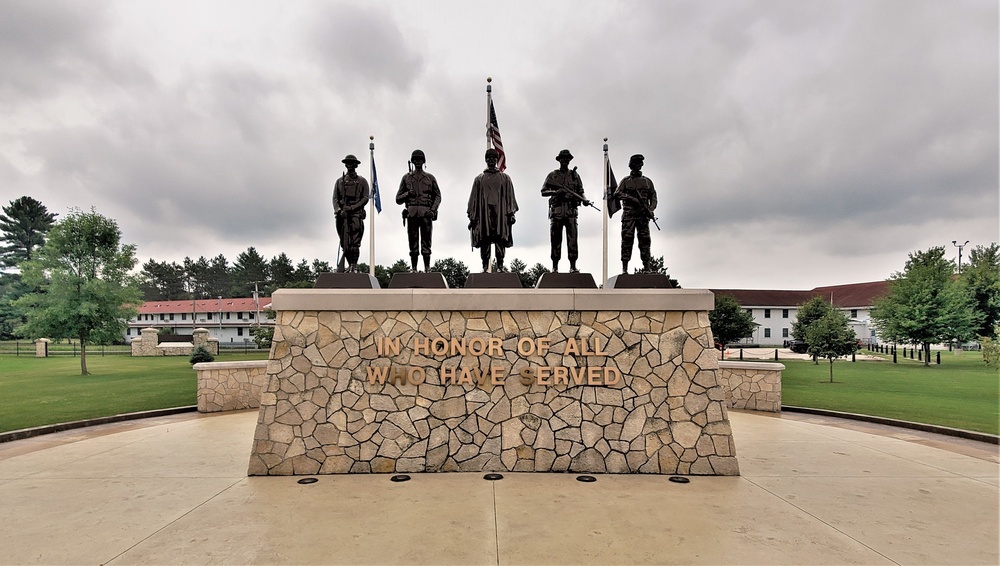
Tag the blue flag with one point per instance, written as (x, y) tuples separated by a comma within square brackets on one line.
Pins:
[(375, 193)]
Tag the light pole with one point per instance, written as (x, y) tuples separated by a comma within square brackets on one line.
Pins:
[(220, 317), (959, 246)]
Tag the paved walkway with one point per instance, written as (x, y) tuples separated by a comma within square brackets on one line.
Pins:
[(814, 490)]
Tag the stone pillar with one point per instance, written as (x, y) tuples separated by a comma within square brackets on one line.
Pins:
[(146, 344), (201, 337), (42, 348)]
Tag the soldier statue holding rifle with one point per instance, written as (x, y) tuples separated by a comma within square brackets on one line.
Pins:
[(350, 195), (565, 191), (638, 198), (420, 193)]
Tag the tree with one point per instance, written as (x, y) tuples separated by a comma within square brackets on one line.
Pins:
[(162, 281), (925, 305), (455, 272), (981, 280), (86, 291), (281, 271), (250, 267), (808, 313), (24, 223), (831, 337), (384, 275), (656, 266), (730, 321)]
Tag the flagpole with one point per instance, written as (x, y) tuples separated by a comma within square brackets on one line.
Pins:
[(489, 99), (604, 232), (371, 209)]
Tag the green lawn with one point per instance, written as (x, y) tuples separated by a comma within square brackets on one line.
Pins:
[(40, 391), (961, 392)]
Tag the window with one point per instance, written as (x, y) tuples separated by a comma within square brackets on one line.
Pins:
[(209, 316), (171, 316), (854, 313), (162, 316), (749, 311), (784, 313), (239, 332), (767, 313), (250, 315), (184, 316), (767, 333), (784, 333), (227, 315)]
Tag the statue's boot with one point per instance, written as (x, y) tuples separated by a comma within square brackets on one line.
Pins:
[(555, 266), (572, 267), (427, 263)]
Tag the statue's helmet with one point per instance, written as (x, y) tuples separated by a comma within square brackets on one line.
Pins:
[(350, 159), (564, 154), (418, 153), (492, 153), (637, 158)]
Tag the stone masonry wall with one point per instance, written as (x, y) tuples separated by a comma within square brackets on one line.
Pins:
[(230, 386), (322, 413), (752, 385)]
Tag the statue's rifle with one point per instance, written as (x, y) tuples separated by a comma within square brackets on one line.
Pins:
[(342, 249), (644, 206), (571, 192)]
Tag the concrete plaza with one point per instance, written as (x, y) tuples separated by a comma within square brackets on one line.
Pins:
[(813, 490)]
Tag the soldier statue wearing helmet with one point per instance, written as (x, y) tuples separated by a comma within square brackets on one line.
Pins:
[(420, 194), (350, 195)]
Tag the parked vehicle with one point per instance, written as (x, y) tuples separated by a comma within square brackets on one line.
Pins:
[(798, 346)]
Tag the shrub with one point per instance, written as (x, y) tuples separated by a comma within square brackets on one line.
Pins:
[(200, 354)]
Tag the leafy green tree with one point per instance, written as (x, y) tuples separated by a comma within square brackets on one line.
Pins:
[(303, 276), (807, 313), (534, 274), (86, 290), (831, 337), (24, 223), (455, 272), (319, 267), (12, 287), (730, 321), (925, 305), (981, 279)]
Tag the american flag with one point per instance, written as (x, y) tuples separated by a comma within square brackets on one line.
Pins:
[(493, 131)]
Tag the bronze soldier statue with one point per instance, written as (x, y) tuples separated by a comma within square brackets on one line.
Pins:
[(419, 192), (350, 195), (565, 191), (491, 211), (638, 198)]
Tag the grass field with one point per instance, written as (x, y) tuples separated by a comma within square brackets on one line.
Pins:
[(40, 391), (961, 392)]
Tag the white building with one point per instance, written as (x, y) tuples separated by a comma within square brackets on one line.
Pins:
[(774, 311), (229, 320)]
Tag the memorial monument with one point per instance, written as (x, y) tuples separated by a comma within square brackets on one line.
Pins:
[(420, 195), (350, 195)]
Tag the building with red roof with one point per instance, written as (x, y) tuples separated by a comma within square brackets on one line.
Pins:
[(229, 320)]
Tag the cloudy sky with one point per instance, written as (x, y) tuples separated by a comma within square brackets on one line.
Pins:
[(793, 144)]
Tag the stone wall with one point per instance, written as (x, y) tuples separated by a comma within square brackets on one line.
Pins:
[(358, 386), (752, 385), (229, 386), (148, 344)]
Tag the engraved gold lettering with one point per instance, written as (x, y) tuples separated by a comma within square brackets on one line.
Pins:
[(465, 377), (397, 375), (543, 345), (448, 374), (579, 374), (421, 345), (477, 346), (439, 346), (597, 346), (458, 346), (542, 378), (496, 347), (571, 347), (594, 375)]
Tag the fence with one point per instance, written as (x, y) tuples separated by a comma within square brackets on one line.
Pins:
[(27, 348)]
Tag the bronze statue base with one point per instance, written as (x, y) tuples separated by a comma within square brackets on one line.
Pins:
[(503, 280), (433, 280), (346, 281), (639, 281), (566, 281)]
